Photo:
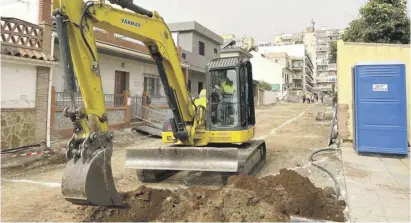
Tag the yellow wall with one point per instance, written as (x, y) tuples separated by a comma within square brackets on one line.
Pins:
[(348, 54)]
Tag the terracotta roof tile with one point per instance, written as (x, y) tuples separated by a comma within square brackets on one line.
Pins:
[(26, 53)]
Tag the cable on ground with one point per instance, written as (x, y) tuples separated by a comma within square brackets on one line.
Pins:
[(311, 160), (19, 149), (336, 185)]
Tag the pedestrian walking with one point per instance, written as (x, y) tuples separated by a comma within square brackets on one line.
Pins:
[(303, 97)]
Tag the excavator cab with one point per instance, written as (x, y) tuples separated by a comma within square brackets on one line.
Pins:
[(224, 143), (230, 94)]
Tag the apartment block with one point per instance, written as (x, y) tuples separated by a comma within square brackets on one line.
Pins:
[(324, 38), (327, 81), (326, 71), (317, 45), (310, 43)]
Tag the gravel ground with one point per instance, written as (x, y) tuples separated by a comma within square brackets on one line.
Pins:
[(289, 129)]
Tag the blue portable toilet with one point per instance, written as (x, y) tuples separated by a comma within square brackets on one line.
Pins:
[(380, 107)]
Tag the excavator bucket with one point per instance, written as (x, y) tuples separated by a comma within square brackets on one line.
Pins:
[(183, 158), (88, 180)]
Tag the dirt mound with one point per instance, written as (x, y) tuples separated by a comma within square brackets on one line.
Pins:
[(144, 204), (224, 204), (244, 198), (296, 193)]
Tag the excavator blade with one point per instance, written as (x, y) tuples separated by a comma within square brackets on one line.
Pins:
[(156, 164), (89, 181), (183, 158)]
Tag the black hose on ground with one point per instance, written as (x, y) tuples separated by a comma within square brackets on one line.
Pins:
[(19, 149), (336, 185)]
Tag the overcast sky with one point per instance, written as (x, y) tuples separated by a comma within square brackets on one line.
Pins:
[(261, 19)]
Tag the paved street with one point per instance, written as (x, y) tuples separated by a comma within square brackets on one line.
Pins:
[(378, 187)]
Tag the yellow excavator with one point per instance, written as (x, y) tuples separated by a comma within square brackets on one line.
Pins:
[(210, 133)]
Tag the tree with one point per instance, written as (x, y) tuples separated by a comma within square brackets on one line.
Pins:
[(380, 21), (264, 85), (332, 55)]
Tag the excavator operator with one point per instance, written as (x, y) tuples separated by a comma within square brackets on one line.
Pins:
[(226, 105), (227, 87)]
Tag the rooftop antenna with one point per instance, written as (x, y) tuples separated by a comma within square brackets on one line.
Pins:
[(313, 24)]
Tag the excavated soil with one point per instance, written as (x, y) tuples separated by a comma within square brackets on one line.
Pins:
[(244, 198)]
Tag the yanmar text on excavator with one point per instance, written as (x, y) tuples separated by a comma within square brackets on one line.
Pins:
[(213, 132)]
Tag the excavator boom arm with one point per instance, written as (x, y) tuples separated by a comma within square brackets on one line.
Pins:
[(147, 27), (87, 178)]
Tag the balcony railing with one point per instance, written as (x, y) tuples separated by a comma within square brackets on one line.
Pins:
[(332, 66), (297, 65), (63, 100), (309, 82), (297, 77), (322, 49), (309, 69), (322, 63), (19, 33), (326, 79), (309, 75)]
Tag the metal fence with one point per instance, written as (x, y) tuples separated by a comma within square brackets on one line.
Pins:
[(136, 107), (144, 113), (158, 101), (63, 99)]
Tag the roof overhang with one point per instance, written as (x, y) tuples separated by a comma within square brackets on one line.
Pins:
[(26, 61), (127, 51)]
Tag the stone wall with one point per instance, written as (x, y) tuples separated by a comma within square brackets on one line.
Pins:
[(18, 128), (27, 126), (115, 116)]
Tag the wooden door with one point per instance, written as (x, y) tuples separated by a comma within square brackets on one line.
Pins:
[(119, 82), (119, 87)]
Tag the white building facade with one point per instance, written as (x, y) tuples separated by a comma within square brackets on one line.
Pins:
[(296, 51), (273, 73)]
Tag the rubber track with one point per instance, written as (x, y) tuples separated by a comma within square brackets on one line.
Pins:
[(154, 176)]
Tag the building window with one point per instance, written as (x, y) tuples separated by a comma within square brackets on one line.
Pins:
[(189, 86), (152, 85), (201, 48), (215, 51), (183, 55), (200, 86)]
